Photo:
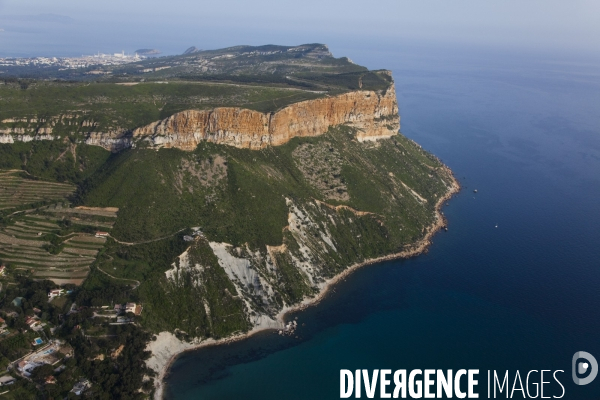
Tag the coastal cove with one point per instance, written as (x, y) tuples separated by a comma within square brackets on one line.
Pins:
[(523, 295)]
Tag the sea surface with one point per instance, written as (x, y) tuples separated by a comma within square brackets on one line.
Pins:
[(515, 282)]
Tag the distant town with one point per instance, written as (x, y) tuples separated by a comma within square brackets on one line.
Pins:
[(66, 63)]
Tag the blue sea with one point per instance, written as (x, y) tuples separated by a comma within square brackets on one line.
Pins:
[(515, 282)]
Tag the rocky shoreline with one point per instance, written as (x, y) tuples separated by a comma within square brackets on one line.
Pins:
[(177, 347)]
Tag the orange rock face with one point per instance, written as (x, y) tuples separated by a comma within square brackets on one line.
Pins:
[(374, 114)]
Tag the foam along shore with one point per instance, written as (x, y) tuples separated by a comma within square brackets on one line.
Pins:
[(167, 347)]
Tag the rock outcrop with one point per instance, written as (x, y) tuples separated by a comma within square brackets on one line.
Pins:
[(225, 125), (114, 140), (9, 139), (374, 114)]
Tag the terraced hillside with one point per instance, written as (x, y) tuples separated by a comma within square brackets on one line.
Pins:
[(56, 241), (17, 189)]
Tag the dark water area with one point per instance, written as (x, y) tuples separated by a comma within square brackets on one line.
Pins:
[(525, 295)]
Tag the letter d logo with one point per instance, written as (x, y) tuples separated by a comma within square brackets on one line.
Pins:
[(582, 367)]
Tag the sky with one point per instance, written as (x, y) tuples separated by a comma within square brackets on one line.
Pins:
[(74, 27)]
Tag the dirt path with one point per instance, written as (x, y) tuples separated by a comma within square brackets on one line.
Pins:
[(147, 241), (137, 283), (254, 86)]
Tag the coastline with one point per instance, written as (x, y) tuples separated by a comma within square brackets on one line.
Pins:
[(415, 249)]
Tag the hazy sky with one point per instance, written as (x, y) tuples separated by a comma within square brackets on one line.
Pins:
[(36, 27)]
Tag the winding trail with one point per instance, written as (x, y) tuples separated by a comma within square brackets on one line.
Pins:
[(147, 241), (137, 283)]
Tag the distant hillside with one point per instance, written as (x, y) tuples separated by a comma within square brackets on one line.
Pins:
[(148, 52), (191, 50), (305, 62), (308, 66)]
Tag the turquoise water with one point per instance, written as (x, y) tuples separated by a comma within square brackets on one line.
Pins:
[(525, 132)]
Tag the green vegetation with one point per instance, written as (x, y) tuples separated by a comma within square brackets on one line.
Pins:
[(51, 241), (391, 188), (211, 241), (158, 195), (50, 160), (20, 189), (22, 390), (200, 303), (103, 107), (112, 376), (111, 357), (352, 201)]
